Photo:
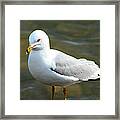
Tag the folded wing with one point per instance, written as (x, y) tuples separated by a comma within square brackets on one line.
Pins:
[(80, 68)]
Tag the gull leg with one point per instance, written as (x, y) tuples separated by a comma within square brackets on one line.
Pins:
[(53, 92), (65, 93)]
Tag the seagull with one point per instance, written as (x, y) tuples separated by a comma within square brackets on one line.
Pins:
[(56, 68)]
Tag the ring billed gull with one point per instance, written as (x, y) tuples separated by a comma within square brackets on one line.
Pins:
[(55, 68)]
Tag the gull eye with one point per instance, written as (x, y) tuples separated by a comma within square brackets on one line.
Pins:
[(38, 40)]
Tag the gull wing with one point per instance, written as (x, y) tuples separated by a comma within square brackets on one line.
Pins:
[(79, 68)]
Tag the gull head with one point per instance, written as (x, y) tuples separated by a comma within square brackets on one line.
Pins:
[(38, 40)]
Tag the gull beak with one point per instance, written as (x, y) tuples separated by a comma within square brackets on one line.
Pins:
[(28, 50)]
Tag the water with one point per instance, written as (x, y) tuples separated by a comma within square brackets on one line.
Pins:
[(80, 39)]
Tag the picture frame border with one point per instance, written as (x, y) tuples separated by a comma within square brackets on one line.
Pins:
[(117, 56)]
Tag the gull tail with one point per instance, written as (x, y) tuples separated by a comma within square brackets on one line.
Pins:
[(96, 75)]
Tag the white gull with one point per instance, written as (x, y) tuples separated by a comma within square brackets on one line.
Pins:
[(55, 68)]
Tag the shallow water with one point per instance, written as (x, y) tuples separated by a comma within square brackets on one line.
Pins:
[(80, 39)]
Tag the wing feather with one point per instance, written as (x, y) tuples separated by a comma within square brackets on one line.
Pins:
[(80, 68)]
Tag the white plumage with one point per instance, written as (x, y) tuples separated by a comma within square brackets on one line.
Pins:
[(54, 67)]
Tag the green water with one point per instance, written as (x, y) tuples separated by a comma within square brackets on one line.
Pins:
[(80, 39)]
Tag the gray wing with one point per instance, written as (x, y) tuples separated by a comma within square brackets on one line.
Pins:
[(79, 68)]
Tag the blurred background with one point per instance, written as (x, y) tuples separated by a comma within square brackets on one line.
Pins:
[(80, 39)]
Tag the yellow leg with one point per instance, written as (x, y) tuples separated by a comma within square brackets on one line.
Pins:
[(53, 91), (65, 93)]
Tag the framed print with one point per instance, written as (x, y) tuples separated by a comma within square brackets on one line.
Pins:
[(60, 59)]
